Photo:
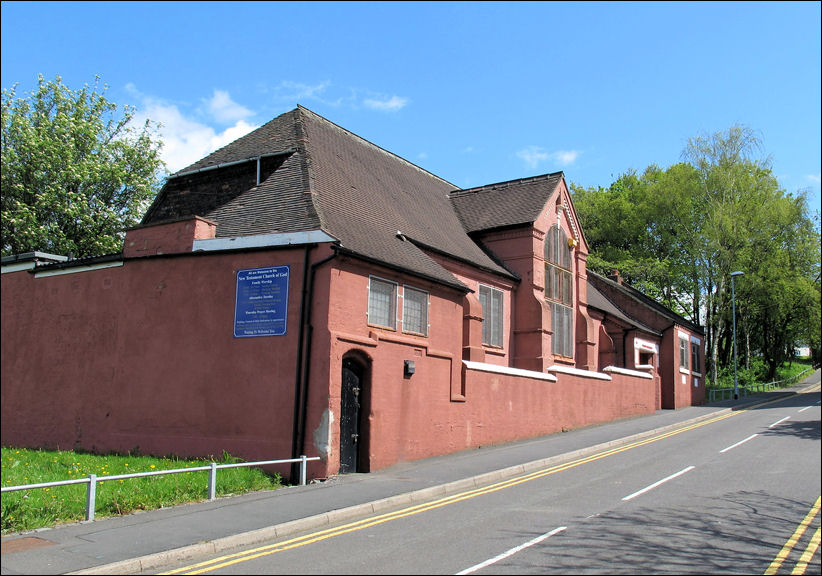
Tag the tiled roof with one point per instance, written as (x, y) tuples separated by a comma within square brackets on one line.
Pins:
[(512, 203), (600, 301), (279, 204), (367, 195), (278, 135), (317, 175), (605, 285)]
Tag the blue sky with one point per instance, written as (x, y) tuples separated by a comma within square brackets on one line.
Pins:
[(475, 93)]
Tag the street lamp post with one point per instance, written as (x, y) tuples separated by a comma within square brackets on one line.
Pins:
[(733, 312)]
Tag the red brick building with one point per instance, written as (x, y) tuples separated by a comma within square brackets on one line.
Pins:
[(303, 291)]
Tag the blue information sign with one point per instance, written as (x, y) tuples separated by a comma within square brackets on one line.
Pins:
[(262, 302)]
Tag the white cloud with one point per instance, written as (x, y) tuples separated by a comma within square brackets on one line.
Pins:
[(535, 155), (190, 133), (296, 93), (329, 94), (389, 105), (224, 110), (566, 157), (297, 90), (814, 178), (185, 138), (231, 133)]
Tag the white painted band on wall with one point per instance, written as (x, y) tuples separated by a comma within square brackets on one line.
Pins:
[(577, 372), (483, 367), (618, 370), (77, 269)]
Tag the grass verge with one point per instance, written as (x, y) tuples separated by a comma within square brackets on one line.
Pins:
[(30, 509), (756, 374)]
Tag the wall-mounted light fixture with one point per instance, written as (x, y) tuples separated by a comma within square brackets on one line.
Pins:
[(409, 368)]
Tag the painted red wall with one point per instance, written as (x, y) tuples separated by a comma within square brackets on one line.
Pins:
[(675, 393), (688, 385), (418, 416), (472, 278), (414, 417), (394, 421), (142, 357), (502, 408), (522, 250), (167, 238)]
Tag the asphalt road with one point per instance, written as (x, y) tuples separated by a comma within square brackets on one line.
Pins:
[(734, 494)]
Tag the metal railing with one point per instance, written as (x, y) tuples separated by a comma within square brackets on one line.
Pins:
[(92, 479), (715, 394)]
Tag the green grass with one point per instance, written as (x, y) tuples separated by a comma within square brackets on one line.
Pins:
[(38, 508), (785, 374), (795, 368)]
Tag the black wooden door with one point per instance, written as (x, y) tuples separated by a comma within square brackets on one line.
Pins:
[(352, 374)]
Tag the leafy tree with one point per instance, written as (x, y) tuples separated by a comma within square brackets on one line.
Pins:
[(750, 224), (678, 233), (75, 171), (646, 227), (779, 294)]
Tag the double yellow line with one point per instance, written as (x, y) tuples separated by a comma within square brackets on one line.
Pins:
[(236, 558), (802, 564)]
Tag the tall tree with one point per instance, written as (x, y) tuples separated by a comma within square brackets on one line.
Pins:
[(780, 290), (76, 172), (678, 233), (734, 185), (646, 226)]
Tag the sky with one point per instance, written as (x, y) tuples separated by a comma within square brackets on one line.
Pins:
[(473, 92)]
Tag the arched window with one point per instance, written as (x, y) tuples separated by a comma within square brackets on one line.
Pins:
[(559, 290)]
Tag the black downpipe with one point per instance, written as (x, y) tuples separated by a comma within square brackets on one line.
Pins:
[(297, 382), (625, 348), (304, 366)]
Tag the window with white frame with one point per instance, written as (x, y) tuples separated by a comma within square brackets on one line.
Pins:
[(382, 303), (559, 290), (695, 356), (645, 352), (492, 314), (684, 352), (414, 311)]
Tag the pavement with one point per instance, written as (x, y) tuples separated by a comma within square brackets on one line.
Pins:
[(147, 541)]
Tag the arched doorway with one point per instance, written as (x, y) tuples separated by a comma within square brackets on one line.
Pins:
[(353, 414)]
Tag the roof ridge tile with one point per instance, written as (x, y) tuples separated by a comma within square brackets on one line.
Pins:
[(506, 183)]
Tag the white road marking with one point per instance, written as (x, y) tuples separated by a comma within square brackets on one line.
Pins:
[(751, 437), (512, 551), (655, 484)]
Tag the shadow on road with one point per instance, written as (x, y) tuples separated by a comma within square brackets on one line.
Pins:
[(741, 533)]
